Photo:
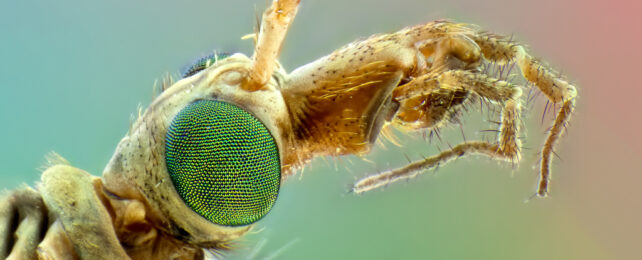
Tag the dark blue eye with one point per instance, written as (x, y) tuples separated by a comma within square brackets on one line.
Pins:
[(204, 62), (223, 162)]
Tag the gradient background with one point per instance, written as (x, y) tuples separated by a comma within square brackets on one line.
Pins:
[(73, 72)]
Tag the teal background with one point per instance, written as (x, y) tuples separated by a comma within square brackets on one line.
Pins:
[(73, 72)]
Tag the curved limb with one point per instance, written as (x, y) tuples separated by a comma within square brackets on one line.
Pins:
[(555, 88), (507, 147), (23, 218), (72, 197)]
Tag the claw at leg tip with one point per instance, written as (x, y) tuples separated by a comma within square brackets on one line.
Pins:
[(542, 194)]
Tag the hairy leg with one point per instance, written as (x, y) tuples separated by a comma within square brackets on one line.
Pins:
[(555, 88), (506, 148)]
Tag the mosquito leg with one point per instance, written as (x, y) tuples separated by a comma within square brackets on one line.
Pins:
[(497, 91), (411, 170), (507, 147), (554, 87)]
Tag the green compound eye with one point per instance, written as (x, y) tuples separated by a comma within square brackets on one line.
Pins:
[(223, 162)]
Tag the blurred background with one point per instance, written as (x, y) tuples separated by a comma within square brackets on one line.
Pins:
[(74, 71)]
